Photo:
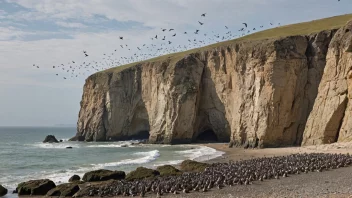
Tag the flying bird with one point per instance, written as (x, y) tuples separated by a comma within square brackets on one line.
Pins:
[(121, 37), (171, 29), (245, 24), (203, 15), (200, 23)]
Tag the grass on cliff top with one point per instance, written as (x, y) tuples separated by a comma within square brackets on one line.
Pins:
[(304, 28)]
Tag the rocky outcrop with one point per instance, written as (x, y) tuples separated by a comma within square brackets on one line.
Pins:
[(35, 187), (50, 139), (103, 175), (252, 93), (3, 191), (141, 173), (63, 190), (331, 118), (74, 178)]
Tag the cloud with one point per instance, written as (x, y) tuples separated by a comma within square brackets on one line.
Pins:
[(70, 25)]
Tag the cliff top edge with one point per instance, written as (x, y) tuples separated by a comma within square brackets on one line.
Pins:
[(304, 28)]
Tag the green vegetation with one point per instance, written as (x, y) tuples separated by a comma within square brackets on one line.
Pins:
[(193, 166), (141, 173), (287, 30), (168, 170)]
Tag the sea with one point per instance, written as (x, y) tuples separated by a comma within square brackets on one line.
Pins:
[(24, 157)]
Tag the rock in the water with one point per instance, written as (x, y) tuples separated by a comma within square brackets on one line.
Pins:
[(168, 170), (103, 175), (124, 145), (74, 178), (69, 147), (3, 191), (64, 190), (193, 166), (35, 187), (50, 139), (61, 140), (141, 173)]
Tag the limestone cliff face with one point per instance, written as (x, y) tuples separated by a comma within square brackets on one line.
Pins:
[(331, 117), (255, 93)]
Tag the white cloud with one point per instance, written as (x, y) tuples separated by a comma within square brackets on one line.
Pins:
[(70, 25)]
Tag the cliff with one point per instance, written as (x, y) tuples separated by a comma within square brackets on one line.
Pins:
[(273, 88)]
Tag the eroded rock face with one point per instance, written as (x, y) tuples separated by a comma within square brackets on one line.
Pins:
[(331, 117), (254, 93)]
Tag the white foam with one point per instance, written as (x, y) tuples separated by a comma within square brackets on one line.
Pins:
[(147, 157), (54, 145), (105, 146), (113, 145), (201, 153)]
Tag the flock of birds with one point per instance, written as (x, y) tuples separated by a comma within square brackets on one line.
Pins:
[(219, 175), (159, 45)]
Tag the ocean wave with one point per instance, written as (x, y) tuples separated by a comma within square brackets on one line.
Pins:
[(146, 158), (114, 145), (61, 145), (201, 153)]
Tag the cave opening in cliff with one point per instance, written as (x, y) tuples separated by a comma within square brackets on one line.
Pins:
[(207, 136), (141, 135)]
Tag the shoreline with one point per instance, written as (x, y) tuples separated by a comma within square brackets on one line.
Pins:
[(237, 153)]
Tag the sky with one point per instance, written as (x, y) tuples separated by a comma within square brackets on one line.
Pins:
[(51, 32)]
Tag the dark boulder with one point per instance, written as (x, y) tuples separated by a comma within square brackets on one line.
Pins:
[(3, 191), (103, 175), (69, 147), (168, 170), (61, 140), (74, 178), (193, 166), (64, 190), (35, 187), (50, 139), (141, 173)]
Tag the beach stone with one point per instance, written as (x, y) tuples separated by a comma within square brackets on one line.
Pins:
[(3, 191), (35, 187), (69, 147), (141, 173), (74, 178), (168, 170), (50, 139), (193, 166), (103, 175), (64, 190)]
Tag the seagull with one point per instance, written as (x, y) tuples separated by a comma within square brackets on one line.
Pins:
[(121, 37), (156, 37), (164, 30), (170, 42), (174, 34), (185, 32), (245, 24), (203, 15), (200, 23), (171, 29)]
